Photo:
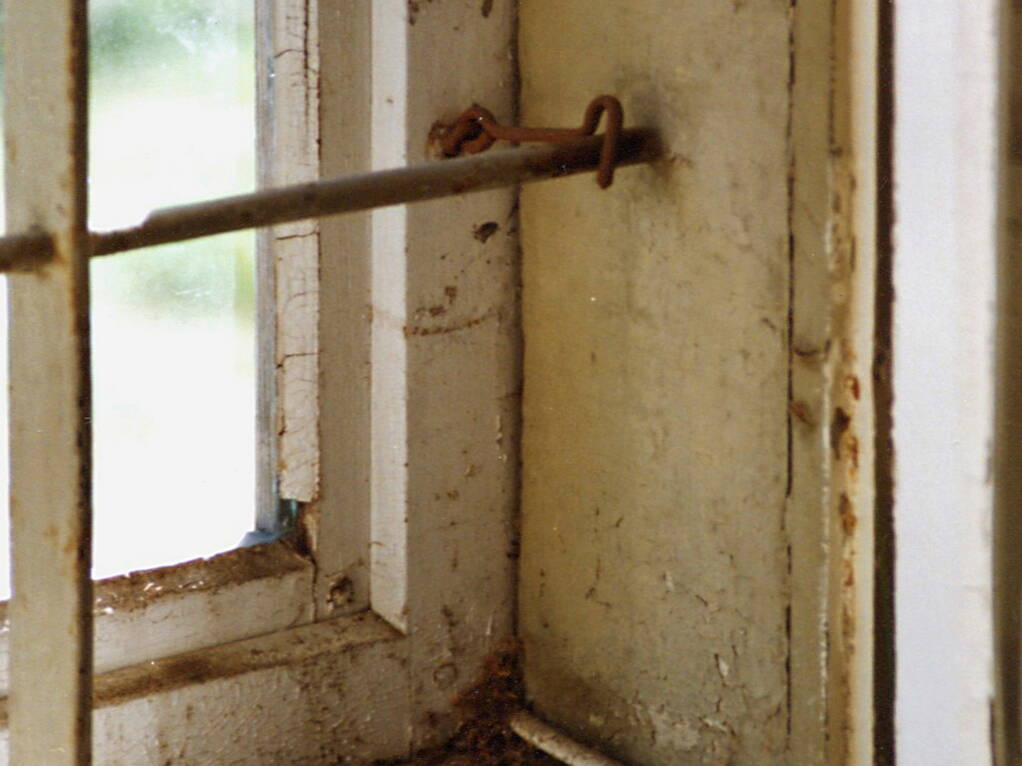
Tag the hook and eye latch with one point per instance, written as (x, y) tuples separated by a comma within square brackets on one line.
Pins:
[(476, 130)]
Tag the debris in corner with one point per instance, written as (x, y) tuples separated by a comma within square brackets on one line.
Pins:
[(485, 738)]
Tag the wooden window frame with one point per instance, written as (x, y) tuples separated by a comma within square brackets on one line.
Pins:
[(410, 590)]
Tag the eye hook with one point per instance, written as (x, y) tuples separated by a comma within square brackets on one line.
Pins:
[(476, 130)]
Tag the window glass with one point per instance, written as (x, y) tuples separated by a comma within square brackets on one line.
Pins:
[(172, 120)]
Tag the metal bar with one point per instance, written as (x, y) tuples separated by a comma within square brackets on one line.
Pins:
[(50, 437), (555, 743), (372, 190), (28, 250), (25, 252)]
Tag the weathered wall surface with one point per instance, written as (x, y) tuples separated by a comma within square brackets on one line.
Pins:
[(1008, 467), (654, 574)]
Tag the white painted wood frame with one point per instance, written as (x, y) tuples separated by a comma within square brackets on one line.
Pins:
[(445, 370), (50, 433), (831, 501), (350, 687), (159, 613), (851, 417), (946, 174), (289, 154)]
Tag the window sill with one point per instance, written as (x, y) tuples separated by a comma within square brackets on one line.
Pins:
[(167, 611), (294, 696)]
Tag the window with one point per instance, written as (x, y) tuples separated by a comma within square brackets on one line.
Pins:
[(172, 120), (162, 76), (734, 303), (436, 553)]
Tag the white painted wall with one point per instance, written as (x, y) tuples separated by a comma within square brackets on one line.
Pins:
[(944, 276)]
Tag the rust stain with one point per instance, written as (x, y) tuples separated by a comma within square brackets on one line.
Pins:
[(848, 351), (487, 8), (846, 512), (476, 130), (853, 451), (852, 381), (412, 331), (838, 425), (485, 738), (801, 412), (465, 185), (451, 291), (484, 231)]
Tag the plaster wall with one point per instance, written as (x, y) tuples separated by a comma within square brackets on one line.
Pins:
[(654, 570)]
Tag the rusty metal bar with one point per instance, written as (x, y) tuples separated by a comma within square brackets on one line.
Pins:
[(347, 194), (476, 130), (50, 698)]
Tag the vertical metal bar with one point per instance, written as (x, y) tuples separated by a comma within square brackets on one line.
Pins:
[(50, 435)]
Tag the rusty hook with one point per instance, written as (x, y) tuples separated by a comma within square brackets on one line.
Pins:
[(476, 130)]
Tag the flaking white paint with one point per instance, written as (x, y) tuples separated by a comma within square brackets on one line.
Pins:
[(656, 386)]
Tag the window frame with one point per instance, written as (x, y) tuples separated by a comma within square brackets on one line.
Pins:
[(152, 614), (448, 617)]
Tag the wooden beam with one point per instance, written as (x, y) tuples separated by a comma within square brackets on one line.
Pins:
[(50, 434)]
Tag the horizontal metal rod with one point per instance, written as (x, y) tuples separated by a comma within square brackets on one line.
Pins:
[(372, 190), (25, 251)]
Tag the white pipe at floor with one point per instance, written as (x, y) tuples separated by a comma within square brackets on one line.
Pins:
[(556, 744)]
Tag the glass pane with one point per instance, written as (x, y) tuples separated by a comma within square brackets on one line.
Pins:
[(172, 121)]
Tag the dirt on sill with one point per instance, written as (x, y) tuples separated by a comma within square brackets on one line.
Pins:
[(485, 739)]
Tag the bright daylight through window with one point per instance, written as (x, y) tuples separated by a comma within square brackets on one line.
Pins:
[(172, 120)]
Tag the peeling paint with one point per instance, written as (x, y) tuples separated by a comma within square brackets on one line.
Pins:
[(411, 331), (484, 231)]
